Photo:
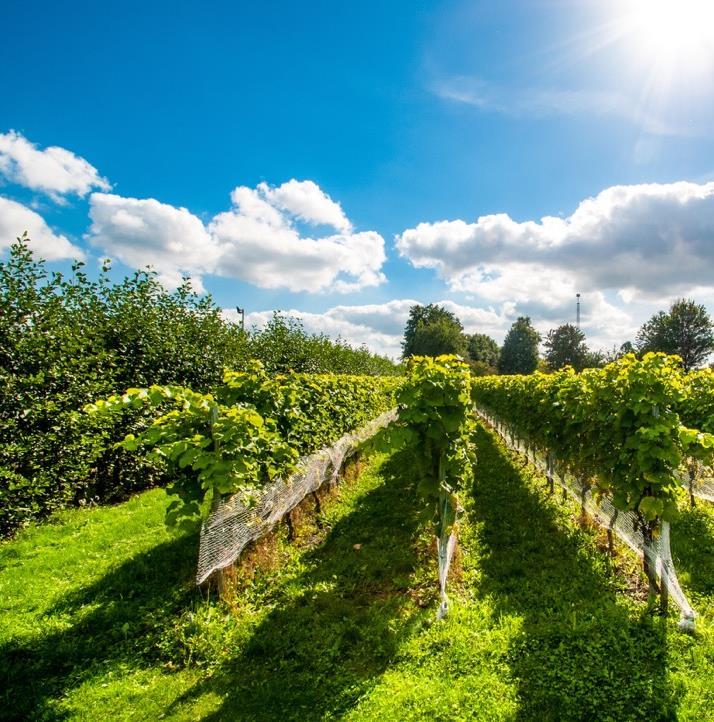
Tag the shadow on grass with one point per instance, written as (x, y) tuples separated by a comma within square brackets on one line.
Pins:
[(313, 656), (580, 654), (118, 617), (316, 654)]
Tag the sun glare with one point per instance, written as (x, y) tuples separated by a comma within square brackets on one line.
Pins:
[(672, 30)]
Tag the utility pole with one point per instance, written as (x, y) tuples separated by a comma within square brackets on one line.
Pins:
[(241, 311), (577, 311)]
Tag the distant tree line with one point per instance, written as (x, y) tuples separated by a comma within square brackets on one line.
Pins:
[(686, 330)]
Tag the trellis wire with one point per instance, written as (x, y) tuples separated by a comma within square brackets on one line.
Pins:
[(623, 523), (231, 525)]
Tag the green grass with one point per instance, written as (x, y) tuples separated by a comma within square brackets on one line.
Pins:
[(99, 618), (544, 628)]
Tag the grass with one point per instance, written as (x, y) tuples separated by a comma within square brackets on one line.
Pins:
[(99, 618), (544, 628)]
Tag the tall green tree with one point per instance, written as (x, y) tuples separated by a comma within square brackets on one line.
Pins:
[(484, 349), (565, 346), (519, 354), (433, 331), (686, 330)]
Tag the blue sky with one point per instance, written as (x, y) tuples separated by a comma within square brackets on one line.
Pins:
[(343, 160)]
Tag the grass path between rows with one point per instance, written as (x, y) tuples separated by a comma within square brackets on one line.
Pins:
[(99, 618)]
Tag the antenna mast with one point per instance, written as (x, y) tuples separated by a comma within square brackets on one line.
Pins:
[(577, 311)]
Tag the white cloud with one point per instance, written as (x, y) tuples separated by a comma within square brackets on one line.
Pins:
[(307, 201), (144, 232), (16, 218), (54, 170), (381, 326), (629, 251), (654, 240), (256, 240)]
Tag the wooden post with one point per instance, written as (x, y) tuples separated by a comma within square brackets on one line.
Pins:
[(610, 540), (291, 529), (692, 479), (318, 510), (549, 471)]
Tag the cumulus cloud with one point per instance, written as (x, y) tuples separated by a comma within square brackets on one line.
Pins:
[(653, 239), (16, 218), (54, 170), (257, 240), (145, 232), (307, 201), (629, 251), (380, 327)]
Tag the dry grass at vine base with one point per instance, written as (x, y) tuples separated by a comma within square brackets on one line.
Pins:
[(301, 527)]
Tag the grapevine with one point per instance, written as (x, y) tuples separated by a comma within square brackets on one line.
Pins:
[(617, 427), (254, 428), (436, 424)]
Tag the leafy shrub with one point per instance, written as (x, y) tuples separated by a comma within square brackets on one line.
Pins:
[(68, 340), (436, 422), (283, 345), (697, 406), (253, 428)]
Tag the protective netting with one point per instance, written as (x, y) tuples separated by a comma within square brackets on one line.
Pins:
[(231, 526), (698, 479), (622, 523), (445, 545)]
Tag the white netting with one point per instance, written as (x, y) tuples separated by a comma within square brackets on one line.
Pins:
[(231, 526), (622, 523), (445, 545), (698, 479)]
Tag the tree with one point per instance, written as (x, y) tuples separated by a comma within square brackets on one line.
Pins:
[(483, 352), (596, 359), (686, 330), (565, 346), (625, 348), (519, 354), (433, 331)]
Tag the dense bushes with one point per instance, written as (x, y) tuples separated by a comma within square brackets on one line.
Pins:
[(284, 345), (68, 340), (252, 429), (64, 341)]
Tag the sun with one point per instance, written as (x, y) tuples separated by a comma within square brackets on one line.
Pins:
[(671, 31)]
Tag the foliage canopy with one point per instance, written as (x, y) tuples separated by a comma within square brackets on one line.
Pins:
[(685, 330), (66, 340), (565, 346), (432, 330), (519, 354)]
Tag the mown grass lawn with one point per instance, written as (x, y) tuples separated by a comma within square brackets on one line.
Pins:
[(99, 618)]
